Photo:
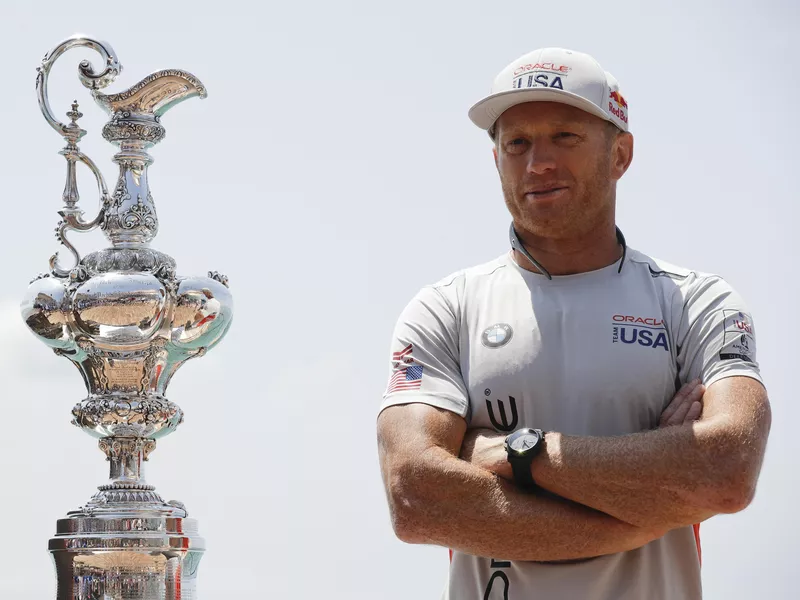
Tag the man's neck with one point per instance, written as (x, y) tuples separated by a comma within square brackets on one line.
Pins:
[(595, 250)]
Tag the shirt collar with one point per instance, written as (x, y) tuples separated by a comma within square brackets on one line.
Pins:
[(517, 245)]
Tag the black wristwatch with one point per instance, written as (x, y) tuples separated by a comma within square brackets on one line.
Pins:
[(521, 448)]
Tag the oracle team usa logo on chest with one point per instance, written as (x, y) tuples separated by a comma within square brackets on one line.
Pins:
[(647, 332)]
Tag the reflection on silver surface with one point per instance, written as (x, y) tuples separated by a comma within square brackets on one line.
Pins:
[(127, 321)]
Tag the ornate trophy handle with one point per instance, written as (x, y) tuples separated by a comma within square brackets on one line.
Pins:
[(72, 133), (89, 78), (71, 215)]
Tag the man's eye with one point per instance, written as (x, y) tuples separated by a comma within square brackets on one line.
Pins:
[(516, 144), (565, 134)]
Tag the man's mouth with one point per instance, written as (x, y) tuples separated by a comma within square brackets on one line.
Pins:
[(546, 194)]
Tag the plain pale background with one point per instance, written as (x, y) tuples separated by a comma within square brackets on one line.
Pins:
[(331, 172)]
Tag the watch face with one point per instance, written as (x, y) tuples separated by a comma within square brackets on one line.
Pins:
[(524, 442)]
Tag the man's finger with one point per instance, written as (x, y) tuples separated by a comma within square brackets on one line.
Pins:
[(680, 413), (695, 402), (674, 403), (694, 412), (678, 400), (689, 409)]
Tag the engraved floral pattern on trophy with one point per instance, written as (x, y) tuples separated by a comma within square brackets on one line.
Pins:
[(127, 321), (131, 214)]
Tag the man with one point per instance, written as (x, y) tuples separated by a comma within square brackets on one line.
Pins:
[(564, 416)]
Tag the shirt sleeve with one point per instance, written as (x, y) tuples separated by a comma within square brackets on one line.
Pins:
[(717, 337), (424, 356)]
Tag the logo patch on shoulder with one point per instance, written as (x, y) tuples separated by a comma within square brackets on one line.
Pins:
[(738, 341), (497, 335)]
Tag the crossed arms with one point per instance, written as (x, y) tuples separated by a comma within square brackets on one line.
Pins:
[(450, 487)]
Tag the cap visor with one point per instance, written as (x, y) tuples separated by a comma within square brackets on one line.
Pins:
[(488, 110)]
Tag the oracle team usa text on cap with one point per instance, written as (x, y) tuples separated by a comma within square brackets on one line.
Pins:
[(554, 75)]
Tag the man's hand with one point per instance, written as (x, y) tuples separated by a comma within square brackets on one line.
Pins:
[(485, 448), (685, 407)]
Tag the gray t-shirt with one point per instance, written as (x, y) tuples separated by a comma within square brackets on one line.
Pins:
[(596, 354)]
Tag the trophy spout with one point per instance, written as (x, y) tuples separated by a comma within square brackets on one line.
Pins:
[(130, 217), (154, 95)]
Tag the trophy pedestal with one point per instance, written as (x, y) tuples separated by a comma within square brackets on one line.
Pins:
[(126, 543), (141, 557)]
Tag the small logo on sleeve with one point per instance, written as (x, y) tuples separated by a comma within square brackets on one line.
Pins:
[(405, 374), (738, 340), (648, 332)]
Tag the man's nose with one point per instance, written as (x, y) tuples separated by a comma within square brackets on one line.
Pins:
[(541, 158)]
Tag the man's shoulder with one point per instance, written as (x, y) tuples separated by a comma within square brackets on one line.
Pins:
[(446, 297), (476, 273), (688, 286), (452, 291), (658, 268)]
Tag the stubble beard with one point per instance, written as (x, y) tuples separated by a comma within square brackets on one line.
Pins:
[(591, 206)]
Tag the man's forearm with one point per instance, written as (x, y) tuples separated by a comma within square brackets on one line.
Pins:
[(667, 477), (446, 501), (658, 477)]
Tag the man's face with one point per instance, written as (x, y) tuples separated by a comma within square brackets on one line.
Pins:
[(559, 166)]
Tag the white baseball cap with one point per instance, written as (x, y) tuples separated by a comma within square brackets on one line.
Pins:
[(554, 75)]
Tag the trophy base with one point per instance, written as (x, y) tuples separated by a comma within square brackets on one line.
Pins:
[(145, 556)]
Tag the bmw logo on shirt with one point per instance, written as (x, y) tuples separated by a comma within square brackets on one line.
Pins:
[(497, 335)]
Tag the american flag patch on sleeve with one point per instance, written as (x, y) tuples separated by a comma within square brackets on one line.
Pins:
[(405, 377)]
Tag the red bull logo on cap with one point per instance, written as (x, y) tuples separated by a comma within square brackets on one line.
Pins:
[(617, 97), (620, 108)]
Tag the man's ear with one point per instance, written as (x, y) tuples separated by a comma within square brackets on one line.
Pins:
[(622, 155)]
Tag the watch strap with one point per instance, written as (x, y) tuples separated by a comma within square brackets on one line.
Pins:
[(521, 467)]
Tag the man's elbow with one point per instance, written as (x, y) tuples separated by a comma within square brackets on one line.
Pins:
[(709, 500), (406, 507), (730, 489), (406, 528), (734, 475), (736, 494), (726, 491)]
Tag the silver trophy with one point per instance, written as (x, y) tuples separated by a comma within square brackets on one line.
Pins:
[(127, 322)]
